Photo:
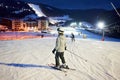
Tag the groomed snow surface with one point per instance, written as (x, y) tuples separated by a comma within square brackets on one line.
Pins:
[(28, 59)]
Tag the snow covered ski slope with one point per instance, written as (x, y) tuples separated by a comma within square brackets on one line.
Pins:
[(27, 59)]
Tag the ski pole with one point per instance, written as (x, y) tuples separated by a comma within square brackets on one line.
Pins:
[(77, 55)]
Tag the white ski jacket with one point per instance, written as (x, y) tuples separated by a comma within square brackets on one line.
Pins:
[(60, 43)]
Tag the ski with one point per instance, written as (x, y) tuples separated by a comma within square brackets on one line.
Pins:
[(55, 68), (60, 69), (67, 68), (64, 69)]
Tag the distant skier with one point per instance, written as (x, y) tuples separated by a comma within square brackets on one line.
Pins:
[(60, 48), (72, 37)]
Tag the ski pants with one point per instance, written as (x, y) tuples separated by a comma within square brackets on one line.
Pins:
[(73, 39), (61, 55)]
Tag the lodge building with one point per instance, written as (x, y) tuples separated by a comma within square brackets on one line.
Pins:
[(30, 25)]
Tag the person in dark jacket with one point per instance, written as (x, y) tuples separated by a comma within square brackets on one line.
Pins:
[(60, 47), (72, 37)]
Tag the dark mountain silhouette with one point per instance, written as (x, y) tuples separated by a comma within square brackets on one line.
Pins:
[(9, 9), (18, 9)]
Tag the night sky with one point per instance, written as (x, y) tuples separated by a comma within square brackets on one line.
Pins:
[(79, 4)]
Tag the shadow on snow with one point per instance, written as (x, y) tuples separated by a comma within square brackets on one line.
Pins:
[(25, 65)]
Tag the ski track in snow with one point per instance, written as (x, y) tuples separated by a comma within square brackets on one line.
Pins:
[(93, 67), (28, 59)]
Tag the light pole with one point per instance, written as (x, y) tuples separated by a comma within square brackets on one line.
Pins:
[(103, 38), (101, 25)]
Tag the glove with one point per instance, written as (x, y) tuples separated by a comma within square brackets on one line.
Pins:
[(65, 48), (53, 51)]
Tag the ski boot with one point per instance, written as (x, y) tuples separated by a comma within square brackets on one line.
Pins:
[(64, 66)]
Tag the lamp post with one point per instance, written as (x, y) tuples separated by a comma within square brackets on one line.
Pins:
[(101, 25), (103, 38)]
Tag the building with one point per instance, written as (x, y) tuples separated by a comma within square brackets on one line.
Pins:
[(43, 23), (6, 22), (30, 25), (3, 28), (17, 25)]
